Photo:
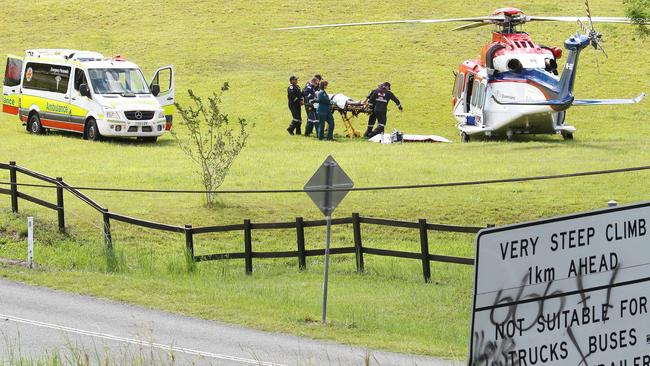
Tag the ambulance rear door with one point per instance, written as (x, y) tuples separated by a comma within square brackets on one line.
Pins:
[(11, 85), (164, 78)]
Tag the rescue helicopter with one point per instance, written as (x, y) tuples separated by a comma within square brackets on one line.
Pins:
[(516, 87)]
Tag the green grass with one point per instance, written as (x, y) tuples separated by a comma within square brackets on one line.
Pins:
[(389, 307), (15, 353)]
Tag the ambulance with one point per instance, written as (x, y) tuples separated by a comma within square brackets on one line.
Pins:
[(85, 92)]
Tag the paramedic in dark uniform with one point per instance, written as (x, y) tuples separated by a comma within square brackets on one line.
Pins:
[(294, 96), (309, 99), (371, 117), (324, 113), (319, 78), (379, 100)]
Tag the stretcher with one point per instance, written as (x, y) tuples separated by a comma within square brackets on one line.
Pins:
[(348, 108)]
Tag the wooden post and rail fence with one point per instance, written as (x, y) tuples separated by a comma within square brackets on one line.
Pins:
[(247, 227)]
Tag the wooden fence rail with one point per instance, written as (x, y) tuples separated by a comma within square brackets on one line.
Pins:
[(247, 227)]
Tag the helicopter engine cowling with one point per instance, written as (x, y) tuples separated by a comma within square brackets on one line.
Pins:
[(510, 62), (515, 65)]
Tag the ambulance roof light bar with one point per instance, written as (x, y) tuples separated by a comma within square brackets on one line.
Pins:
[(66, 54)]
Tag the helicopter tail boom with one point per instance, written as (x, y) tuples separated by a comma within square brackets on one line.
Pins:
[(570, 101)]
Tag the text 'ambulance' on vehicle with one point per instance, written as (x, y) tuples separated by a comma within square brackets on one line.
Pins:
[(85, 92)]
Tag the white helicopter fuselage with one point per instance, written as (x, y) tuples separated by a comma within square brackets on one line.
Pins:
[(489, 118)]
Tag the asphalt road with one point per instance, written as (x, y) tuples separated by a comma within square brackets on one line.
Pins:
[(36, 320)]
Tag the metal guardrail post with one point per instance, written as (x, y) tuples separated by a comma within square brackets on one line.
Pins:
[(424, 244), (14, 187), (189, 247), (358, 245), (59, 205), (248, 247), (300, 239)]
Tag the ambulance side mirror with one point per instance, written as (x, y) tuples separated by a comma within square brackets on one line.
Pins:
[(155, 90), (84, 91)]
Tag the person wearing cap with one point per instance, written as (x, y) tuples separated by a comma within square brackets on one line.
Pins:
[(324, 113), (371, 118), (309, 99), (294, 96), (379, 99)]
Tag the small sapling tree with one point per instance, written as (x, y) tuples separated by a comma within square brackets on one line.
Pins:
[(639, 12), (211, 141)]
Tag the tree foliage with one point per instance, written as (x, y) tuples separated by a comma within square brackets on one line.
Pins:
[(211, 142), (639, 12)]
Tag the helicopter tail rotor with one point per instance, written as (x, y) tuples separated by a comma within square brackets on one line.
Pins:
[(595, 37)]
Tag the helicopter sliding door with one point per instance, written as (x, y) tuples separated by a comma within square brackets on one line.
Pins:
[(477, 100), (467, 92)]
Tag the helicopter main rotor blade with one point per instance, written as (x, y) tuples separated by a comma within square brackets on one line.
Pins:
[(413, 21), (622, 20), (471, 25), (602, 49), (591, 23)]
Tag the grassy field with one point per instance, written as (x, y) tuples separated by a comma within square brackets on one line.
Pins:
[(211, 42)]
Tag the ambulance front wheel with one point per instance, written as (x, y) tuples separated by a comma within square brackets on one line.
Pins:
[(92, 132), (464, 137), (34, 126)]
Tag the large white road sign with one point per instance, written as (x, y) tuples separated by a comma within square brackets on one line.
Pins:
[(571, 290)]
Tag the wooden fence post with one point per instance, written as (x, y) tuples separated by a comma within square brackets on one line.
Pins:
[(424, 244), (300, 239), (14, 187), (248, 247), (107, 229), (189, 248), (59, 204), (358, 245)]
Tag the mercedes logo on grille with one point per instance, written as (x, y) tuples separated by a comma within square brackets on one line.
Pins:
[(138, 115)]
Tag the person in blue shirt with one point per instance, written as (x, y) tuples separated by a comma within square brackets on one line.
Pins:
[(324, 113)]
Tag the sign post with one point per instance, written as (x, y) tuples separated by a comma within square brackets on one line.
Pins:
[(570, 290), (30, 242), (327, 188)]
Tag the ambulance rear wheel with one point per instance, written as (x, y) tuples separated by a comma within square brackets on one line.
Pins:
[(92, 132), (567, 135), (464, 137), (34, 126)]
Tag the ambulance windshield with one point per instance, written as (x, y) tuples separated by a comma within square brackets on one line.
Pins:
[(118, 81)]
